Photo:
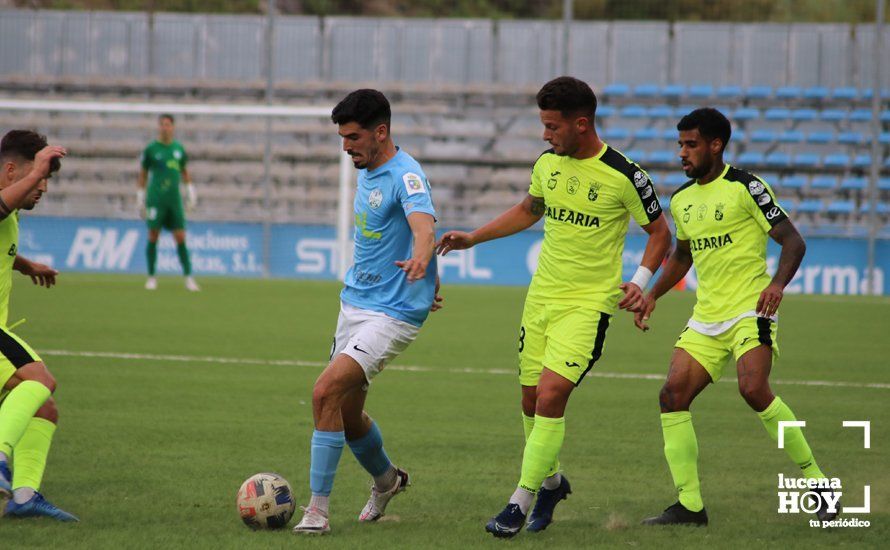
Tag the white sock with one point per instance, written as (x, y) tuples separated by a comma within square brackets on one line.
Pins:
[(320, 502), (523, 498), (22, 494), (386, 481), (3, 457), (552, 482)]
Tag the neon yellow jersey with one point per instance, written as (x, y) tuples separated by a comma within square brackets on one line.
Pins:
[(588, 204), (726, 222), (9, 243)]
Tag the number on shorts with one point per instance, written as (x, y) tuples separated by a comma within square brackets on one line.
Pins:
[(521, 339), (152, 213)]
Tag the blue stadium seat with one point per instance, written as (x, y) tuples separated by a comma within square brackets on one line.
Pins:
[(777, 113), (769, 177), (739, 135), (823, 182), (647, 134), (675, 179), (849, 138), (701, 91), (791, 136), (604, 111), (887, 162), (646, 90), (793, 182), (728, 157), (841, 207), (661, 111), (836, 160), (663, 157), (860, 115), (636, 155), (816, 92), (803, 114), (616, 89), (885, 116), (746, 113), (673, 90), (684, 110), (834, 115), (778, 158), (845, 93), (788, 92), (884, 138), (854, 183), (633, 111), (883, 184), (751, 157), (867, 93), (616, 133), (665, 203), (669, 133), (762, 136), (862, 161), (806, 159), (820, 136), (809, 206), (759, 92), (729, 92), (883, 208)]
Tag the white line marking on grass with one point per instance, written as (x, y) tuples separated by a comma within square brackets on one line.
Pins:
[(407, 368)]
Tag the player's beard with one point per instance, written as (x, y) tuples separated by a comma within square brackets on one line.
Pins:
[(698, 171)]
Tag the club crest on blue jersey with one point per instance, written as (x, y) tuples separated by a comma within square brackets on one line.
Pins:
[(375, 199), (413, 184)]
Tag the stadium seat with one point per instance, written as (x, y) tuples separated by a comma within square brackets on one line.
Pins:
[(806, 159), (647, 90), (820, 137), (616, 89), (636, 155), (849, 138), (791, 136), (663, 157), (746, 113), (762, 136), (809, 206), (836, 160), (729, 92), (816, 92), (669, 133), (701, 91), (633, 111), (883, 208), (661, 111), (675, 179), (845, 93), (684, 110), (777, 113), (825, 183), (885, 116), (673, 90), (860, 115), (646, 134), (605, 111), (759, 92), (797, 182), (771, 178), (751, 157), (884, 138), (862, 161), (883, 184), (841, 207), (616, 133), (803, 114), (854, 183), (739, 135), (833, 115), (788, 92), (778, 158)]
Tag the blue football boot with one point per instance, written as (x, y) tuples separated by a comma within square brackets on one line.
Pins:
[(37, 507), (5, 486), (542, 515), (507, 523)]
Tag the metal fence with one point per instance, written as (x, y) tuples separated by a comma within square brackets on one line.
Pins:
[(182, 46)]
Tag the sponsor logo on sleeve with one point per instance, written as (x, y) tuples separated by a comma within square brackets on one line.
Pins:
[(653, 208), (756, 188), (640, 179), (413, 184), (763, 199), (646, 193), (773, 213)]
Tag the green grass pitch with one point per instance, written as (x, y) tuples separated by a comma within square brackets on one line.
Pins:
[(169, 400)]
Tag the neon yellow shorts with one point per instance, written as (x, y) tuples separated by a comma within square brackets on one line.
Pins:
[(713, 352), (14, 353), (566, 339)]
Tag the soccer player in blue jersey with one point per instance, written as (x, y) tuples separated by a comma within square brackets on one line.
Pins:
[(388, 293)]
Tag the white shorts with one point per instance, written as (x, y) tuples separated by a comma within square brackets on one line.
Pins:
[(373, 339)]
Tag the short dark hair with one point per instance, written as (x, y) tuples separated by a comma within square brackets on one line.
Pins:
[(168, 116), (711, 124), (24, 145), (369, 108), (569, 96)]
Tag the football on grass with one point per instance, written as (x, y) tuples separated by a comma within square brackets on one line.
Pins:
[(265, 501)]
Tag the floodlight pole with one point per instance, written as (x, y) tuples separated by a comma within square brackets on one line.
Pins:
[(875, 171), (267, 150), (567, 16)]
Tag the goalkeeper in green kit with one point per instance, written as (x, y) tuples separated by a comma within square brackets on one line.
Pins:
[(164, 164)]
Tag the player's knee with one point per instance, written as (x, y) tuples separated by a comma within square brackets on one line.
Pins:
[(325, 395), (48, 411), (757, 395), (551, 402), (38, 372), (672, 397)]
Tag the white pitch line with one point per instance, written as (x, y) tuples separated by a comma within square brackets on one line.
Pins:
[(407, 368)]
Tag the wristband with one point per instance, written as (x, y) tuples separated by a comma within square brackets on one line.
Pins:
[(642, 277)]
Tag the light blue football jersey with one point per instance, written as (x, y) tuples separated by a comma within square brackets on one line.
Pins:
[(384, 199)]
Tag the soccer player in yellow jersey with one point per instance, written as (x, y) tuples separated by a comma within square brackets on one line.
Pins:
[(28, 414), (587, 192), (723, 216)]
